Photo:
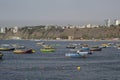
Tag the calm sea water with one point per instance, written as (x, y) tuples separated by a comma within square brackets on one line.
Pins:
[(101, 65)]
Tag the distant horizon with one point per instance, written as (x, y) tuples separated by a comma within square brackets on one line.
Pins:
[(59, 23)]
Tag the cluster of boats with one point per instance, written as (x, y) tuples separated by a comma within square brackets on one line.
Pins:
[(20, 49), (16, 48), (76, 50), (82, 50)]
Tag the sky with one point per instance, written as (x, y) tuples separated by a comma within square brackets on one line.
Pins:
[(57, 12)]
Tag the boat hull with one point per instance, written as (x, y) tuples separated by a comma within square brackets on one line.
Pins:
[(95, 49), (7, 49), (47, 50), (72, 55), (24, 51), (82, 54)]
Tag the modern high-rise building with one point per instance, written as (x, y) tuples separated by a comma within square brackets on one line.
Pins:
[(117, 22), (2, 30), (107, 22)]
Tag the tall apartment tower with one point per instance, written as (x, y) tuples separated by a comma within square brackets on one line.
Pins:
[(107, 22), (2, 30), (117, 22)]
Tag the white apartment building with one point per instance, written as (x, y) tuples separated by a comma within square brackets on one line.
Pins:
[(2, 30), (117, 22), (107, 22)]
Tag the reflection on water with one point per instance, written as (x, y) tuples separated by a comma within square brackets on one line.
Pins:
[(101, 65)]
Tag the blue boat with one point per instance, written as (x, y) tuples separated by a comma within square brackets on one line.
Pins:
[(72, 55), (81, 54), (85, 49)]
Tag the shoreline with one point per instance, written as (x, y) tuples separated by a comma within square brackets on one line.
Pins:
[(67, 40), (59, 40)]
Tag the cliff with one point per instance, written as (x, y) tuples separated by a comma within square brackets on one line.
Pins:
[(53, 33)]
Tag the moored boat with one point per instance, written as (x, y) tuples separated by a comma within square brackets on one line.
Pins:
[(29, 51), (47, 50), (48, 47), (6, 47), (85, 49), (71, 46), (78, 54), (95, 49), (73, 55), (105, 45)]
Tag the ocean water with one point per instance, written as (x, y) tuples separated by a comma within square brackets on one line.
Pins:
[(101, 65)]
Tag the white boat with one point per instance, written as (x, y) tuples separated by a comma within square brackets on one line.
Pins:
[(80, 54)]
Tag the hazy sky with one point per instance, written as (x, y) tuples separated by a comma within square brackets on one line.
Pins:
[(61, 12)]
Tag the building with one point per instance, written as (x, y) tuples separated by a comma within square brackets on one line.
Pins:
[(2, 30), (15, 29), (107, 22), (88, 26), (117, 22)]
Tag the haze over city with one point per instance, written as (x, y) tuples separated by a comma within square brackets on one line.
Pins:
[(57, 12)]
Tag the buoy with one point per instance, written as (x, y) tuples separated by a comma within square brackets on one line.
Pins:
[(78, 68)]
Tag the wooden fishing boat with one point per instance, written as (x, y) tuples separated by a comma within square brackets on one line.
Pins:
[(71, 46), (6, 47), (95, 49), (29, 51), (48, 47)]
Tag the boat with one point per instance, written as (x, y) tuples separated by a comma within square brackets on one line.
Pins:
[(48, 47), (105, 45), (95, 49), (78, 54), (40, 43), (85, 49), (28, 51), (71, 46), (118, 47), (1, 55), (72, 55), (18, 46), (6, 47), (81, 49), (47, 50), (84, 45)]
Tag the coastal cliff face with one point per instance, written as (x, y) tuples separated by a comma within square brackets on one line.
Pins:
[(53, 33)]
